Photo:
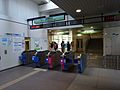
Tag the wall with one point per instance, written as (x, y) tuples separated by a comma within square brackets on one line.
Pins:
[(47, 6), (13, 16), (51, 12), (51, 9), (97, 35), (112, 38), (39, 37)]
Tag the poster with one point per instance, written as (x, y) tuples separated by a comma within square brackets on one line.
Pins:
[(37, 45), (4, 41), (17, 44), (10, 42)]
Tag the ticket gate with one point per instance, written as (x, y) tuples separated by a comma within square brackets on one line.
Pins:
[(53, 59), (40, 58), (68, 60), (26, 57)]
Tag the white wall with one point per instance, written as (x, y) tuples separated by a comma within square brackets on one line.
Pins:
[(18, 10), (51, 12), (112, 38), (40, 36), (13, 16), (10, 27), (47, 6), (14, 13), (69, 18)]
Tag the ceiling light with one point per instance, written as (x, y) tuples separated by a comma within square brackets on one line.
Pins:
[(91, 27), (59, 33), (88, 32), (78, 10), (79, 34)]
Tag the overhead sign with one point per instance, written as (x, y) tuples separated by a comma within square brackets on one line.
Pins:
[(109, 18), (39, 21), (48, 20), (35, 27)]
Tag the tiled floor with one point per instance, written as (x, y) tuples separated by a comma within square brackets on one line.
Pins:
[(97, 79), (91, 79), (11, 74)]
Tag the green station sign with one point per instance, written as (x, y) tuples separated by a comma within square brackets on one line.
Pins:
[(49, 19)]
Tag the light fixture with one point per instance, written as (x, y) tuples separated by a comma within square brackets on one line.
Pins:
[(78, 10), (79, 34), (88, 32), (91, 27), (60, 33)]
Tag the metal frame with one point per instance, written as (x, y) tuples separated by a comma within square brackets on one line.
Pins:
[(98, 19)]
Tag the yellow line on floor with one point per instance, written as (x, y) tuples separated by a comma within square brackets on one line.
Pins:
[(19, 79)]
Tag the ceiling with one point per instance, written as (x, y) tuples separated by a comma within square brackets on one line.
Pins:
[(51, 12), (40, 2), (88, 7)]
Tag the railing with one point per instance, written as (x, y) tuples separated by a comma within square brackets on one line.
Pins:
[(112, 62), (106, 62), (98, 19)]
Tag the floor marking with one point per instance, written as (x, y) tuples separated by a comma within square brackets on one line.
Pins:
[(39, 69), (18, 79)]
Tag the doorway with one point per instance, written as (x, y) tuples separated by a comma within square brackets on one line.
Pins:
[(60, 35), (79, 45)]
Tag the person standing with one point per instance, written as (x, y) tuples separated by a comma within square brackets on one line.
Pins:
[(68, 46), (72, 45), (52, 46), (63, 46), (55, 46)]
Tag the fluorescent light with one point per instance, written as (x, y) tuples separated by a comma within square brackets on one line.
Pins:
[(91, 27), (66, 27), (59, 33), (88, 32), (78, 10), (79, 34)]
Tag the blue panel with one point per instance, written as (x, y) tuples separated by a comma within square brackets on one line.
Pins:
[(76, 61), (65, 67), (46, 61), (35, 59)]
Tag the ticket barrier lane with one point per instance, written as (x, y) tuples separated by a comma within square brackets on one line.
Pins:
[(26, 57), (80, 62), (53, 59), (40, 58)]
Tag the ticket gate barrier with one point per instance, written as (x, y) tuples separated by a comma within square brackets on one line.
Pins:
[(53, 59), (40, 58), (67, 60), (80, 62), (26, 57)]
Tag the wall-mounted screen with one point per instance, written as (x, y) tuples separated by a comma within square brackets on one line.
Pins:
[(56, 18)]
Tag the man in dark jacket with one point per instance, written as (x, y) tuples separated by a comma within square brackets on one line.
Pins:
[(63, 46), (68, 46)]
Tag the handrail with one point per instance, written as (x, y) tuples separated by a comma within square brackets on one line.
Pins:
[(98, 19)]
